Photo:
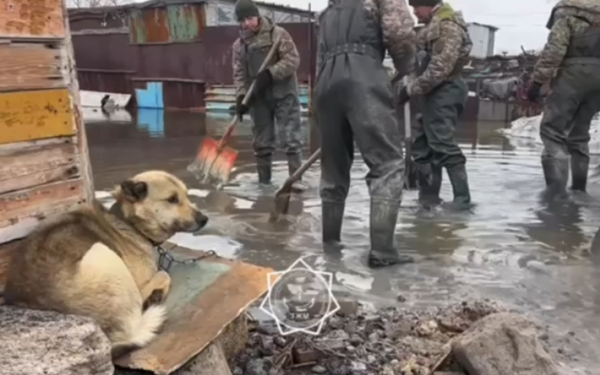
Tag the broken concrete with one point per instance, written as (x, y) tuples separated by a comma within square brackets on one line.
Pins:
[(500, 344), (49, 343)]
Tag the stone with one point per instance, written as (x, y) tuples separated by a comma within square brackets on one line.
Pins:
[(359, 366), (255, 367), (38, 342), (503, 343), (319, 369)]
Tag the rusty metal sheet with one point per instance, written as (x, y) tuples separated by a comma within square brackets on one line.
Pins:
[(201, 305), (149, 25), (183, 22), (31, 19), (31, 115)]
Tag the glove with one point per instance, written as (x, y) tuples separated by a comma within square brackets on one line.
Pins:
[(534, 91), (241, 109), (263, 81), (404, 97)]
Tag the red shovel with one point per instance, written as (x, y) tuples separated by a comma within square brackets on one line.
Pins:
[(215, 160)]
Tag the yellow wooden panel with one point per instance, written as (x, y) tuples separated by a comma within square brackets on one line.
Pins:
[(31, 19), (30, 115)]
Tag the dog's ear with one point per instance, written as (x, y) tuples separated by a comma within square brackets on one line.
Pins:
[(134, 191)]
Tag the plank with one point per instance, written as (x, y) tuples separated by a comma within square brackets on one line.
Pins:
[(81, 137), (31, 19), (34, 201), (21, 211), (31, 115), (30, 66), (201, 320), (29, 168)]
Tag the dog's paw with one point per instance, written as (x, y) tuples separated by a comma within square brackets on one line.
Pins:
[(156, 298)]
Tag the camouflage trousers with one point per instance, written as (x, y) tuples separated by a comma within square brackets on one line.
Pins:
[(434, 136), (276, 120)]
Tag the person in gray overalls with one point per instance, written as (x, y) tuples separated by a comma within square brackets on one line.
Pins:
[(354, 103), (443, 48), (571, 62), (274, 105)]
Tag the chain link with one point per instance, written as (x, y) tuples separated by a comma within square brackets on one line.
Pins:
[(166, 260)]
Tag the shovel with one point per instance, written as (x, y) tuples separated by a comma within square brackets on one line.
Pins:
[(283, 195), (215, 161)]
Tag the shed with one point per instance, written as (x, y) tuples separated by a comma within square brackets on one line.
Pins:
[(44, 162), (483, 38)]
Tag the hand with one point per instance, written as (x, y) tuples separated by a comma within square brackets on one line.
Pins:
[(404, 97), (534, 91), (241, 109), (263, 81)]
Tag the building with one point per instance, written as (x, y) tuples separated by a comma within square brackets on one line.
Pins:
[(171, 54), (483, 37)]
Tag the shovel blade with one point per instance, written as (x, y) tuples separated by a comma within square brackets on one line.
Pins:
[(212, 165)]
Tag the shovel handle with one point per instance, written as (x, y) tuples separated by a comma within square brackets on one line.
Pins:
[(234, 121), (407, 129)]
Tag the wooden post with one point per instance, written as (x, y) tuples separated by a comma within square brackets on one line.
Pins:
[(44, 161)]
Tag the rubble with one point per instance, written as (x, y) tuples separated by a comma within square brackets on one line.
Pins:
[(503, 343), (386, 341)]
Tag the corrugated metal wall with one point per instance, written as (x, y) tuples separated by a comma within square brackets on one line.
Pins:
[(175, 23)]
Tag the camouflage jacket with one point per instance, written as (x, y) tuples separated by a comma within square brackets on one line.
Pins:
[(446, 38), (568, 18), (396, 26), (289, 58)]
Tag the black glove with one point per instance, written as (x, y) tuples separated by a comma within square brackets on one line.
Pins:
[(534, 91), (403, 96), (240, 108), (263, 81)]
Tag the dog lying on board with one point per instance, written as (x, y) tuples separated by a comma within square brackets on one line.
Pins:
[(100, 263)]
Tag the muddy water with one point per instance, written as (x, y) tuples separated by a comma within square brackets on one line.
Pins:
[(511, 247)]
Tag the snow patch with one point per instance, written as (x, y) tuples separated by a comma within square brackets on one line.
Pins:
[(529, 128)]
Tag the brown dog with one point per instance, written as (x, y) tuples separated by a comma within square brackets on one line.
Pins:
[(100, 263)]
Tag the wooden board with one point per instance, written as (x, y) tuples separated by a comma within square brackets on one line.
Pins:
[(37, 166), (32, 19), (200, 321), (30, 115), (31, 66), (21, 211)]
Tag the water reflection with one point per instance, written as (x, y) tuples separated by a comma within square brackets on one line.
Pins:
[(511, 246)]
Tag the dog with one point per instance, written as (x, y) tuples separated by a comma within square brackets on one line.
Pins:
[(101, 263)]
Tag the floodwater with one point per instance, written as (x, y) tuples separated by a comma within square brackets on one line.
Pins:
[(510, 248)]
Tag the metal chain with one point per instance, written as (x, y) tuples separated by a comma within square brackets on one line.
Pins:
[(165, 259)]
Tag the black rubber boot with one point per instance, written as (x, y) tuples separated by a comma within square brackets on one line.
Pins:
[(383, 219), (331, 220), (556, 174), (263, 168), (430, 183), (460, 187), (579, 172)]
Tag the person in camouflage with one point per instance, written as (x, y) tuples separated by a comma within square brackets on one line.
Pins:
[(571, 62), (443, 47), (275, 97), (354, 103)]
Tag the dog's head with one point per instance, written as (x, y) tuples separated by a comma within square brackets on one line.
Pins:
[(157, 204)]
